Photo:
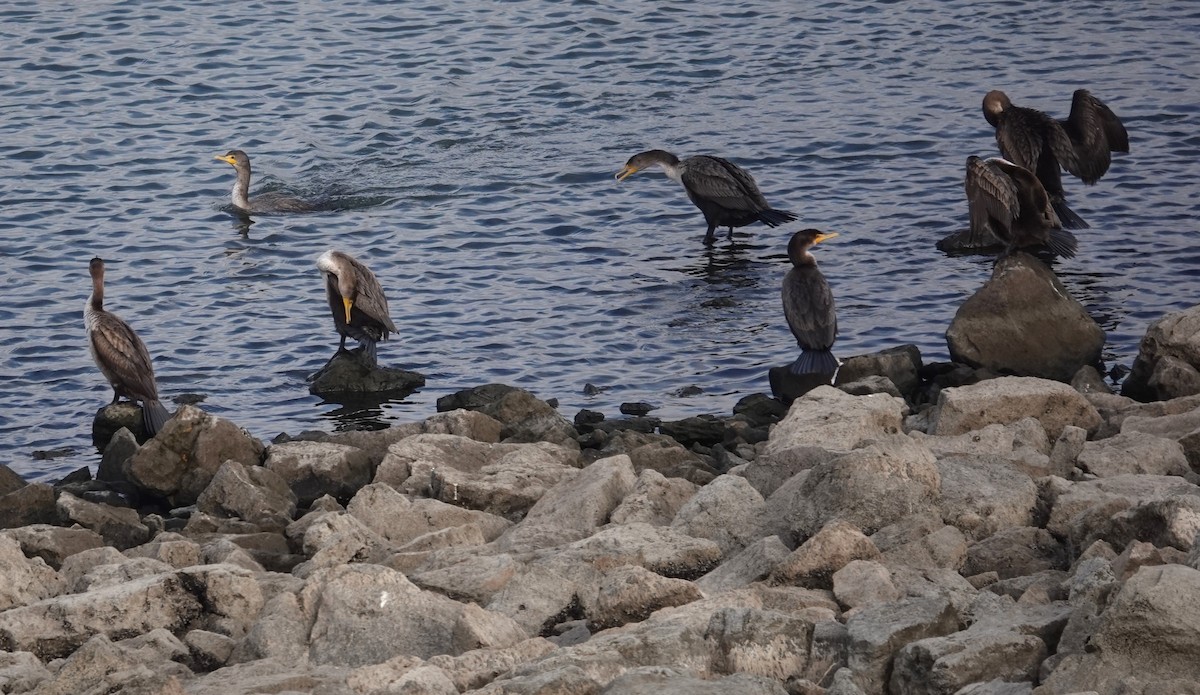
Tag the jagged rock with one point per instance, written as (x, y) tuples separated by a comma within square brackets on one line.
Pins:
[(314, 469), (834, 420), (944, 665), (899, 365), (1023, 321), (336, 538), (280, 632), (208, 650), (9, 480), (982, 494), (1166, 365), (53, 543), (1016, 552), (726, 510), (657, 548), (29, 504), (655, 499), (24, 580), (863, 583), (525, 418), (875, 633), (1009, 399), (813, 564), (659, 453), (770, 471), (1087, 511), (119, 526), (251, 493), (180, 461), (1183, 428), (401, 519), (21, 672), (760, 409), (752, 564), (536, 598), (113, 418), (629, 594), (1133, 452), (120, 448), (945, 547), (171, 548), (349, 372)]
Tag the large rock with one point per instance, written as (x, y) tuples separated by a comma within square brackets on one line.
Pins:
[(831, 419), (401, 519), (1009, 399), (814, 563), (944, 665), (726, 511), (120, 526), (1183, 428), (251, 493), (655, 499), (54, 544), (348, 372), (180, 461), (24, 580), (1023, 321), (981, 495), (752, 564), (630, 594), (900, 365), (659, 453), (1113, 508), (28, 504), (1168, 361), (525, 418), (657, 548), (875, 633), (1016, 552), (313, 469), (1133, 452)]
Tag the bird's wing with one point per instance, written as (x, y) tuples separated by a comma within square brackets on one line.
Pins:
[(809, 308), (1095, 131), (125, 356), (991, 195), (722, 182), (1030, 196), (371, 300)]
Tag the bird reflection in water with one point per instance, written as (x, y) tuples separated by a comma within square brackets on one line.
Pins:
[(357, 412)]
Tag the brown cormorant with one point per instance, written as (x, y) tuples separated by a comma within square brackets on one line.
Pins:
[(359, 308), (264, 202), (1081, 144), (1009, 201), (121, 355), (808, 306), (724, 192)]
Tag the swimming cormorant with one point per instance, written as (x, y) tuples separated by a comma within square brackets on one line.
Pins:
[(1081, 144), (724, 192), (359, 308), (263, 202), (121, 355)]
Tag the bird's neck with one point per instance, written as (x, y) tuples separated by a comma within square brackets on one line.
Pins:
[(241, 189), (671, 169)]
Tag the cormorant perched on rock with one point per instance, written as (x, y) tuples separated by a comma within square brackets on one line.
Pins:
[(1009, 201), (359, 308), (724, 192), (1081, 144), (263, 202), (121, 355), (808, 306)]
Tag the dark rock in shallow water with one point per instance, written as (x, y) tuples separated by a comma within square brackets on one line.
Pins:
[(638, 408), (112, 418), (760, 410), (705, 430), (1168, 361), (963, 242), (900, 364), (349, 372), (588, 417), (1024, 322), (524, 416)]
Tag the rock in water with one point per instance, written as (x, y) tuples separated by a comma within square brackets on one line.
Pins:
[(1023, 321), (1168, 361), (112, 418), (350, 372)]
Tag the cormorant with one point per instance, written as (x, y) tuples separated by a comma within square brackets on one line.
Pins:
[(264, 202), (1008, 200), (808, 306), (359, 308)]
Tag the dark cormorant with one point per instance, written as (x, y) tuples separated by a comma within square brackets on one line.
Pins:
[(1081, 144), (1009, 201), (808, 306), (121, 355), (263, 202), (359, 308), (724, 192)]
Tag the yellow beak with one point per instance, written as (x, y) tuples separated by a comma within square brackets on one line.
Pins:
[(626, 172), (347, 302), (823, 236), (226, 158)]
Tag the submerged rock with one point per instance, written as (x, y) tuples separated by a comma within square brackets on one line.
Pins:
[(1023, 321), (348, 372)]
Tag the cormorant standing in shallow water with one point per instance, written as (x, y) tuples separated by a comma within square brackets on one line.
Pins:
[(808, 306), (359, 308), (121, 355), (1081, 144), (724, 192), (1009, 201), (263, 202)]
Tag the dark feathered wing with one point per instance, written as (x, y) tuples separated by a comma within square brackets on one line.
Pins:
[(1095, 131), (809, 309), (123, 358), (991, 195), (371, 300), (1024, 134), (722, 182)]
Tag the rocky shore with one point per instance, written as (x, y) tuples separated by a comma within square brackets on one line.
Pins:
[(916, 529)]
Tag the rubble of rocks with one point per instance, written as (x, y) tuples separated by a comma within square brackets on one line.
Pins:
[(975, 534)]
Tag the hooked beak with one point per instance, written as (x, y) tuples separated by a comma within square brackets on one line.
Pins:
[(348, 303), (226, 158), (823, 236), (625, 172)]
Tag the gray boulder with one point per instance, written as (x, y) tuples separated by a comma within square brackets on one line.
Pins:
[(21, 672), (1168, 358), (944, 665), (864, 583), (876, 632), (349, 372), (814, 563), (524, 417), (24, 580), (313, 469), (54, 544), (1016, 552), (983, 494), (1183, 428), (629, 594), (252, 493), (120, 526), (29, 504), (831, 419), (1009, 399), (401, 519), (1023, 321), (752, 564), (655, 499), (1132, 452), (726, 510), (899, 365), (1090, 510)]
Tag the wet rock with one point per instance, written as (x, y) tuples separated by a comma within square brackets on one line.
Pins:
[(870, 487), (629, 594), (24, 580), (524, 417), (752, 564), (900, 365), (574, 508), (831, 419), (1009, 399), (875, 633), (655, 499), (29, 504), (182, 459), (760, 410), (984, 494), (401, 519), (814, 563), (639, 408), (1016, 552), (252, 493), (1167, 361), (1023, 321), (120, 526), (53, 543), (313, 469), (349, 372), (703, 430), (726, 511)]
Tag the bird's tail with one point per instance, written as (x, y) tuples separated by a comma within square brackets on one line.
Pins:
[(154, 416), (1067, 216), (1062, 243), (774, 218), (369, 352), (815, 362)]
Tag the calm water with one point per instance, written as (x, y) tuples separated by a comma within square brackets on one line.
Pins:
[(472, 148)]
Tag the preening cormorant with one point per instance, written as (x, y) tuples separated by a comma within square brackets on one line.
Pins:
[(1011, 202), (359, 308)]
